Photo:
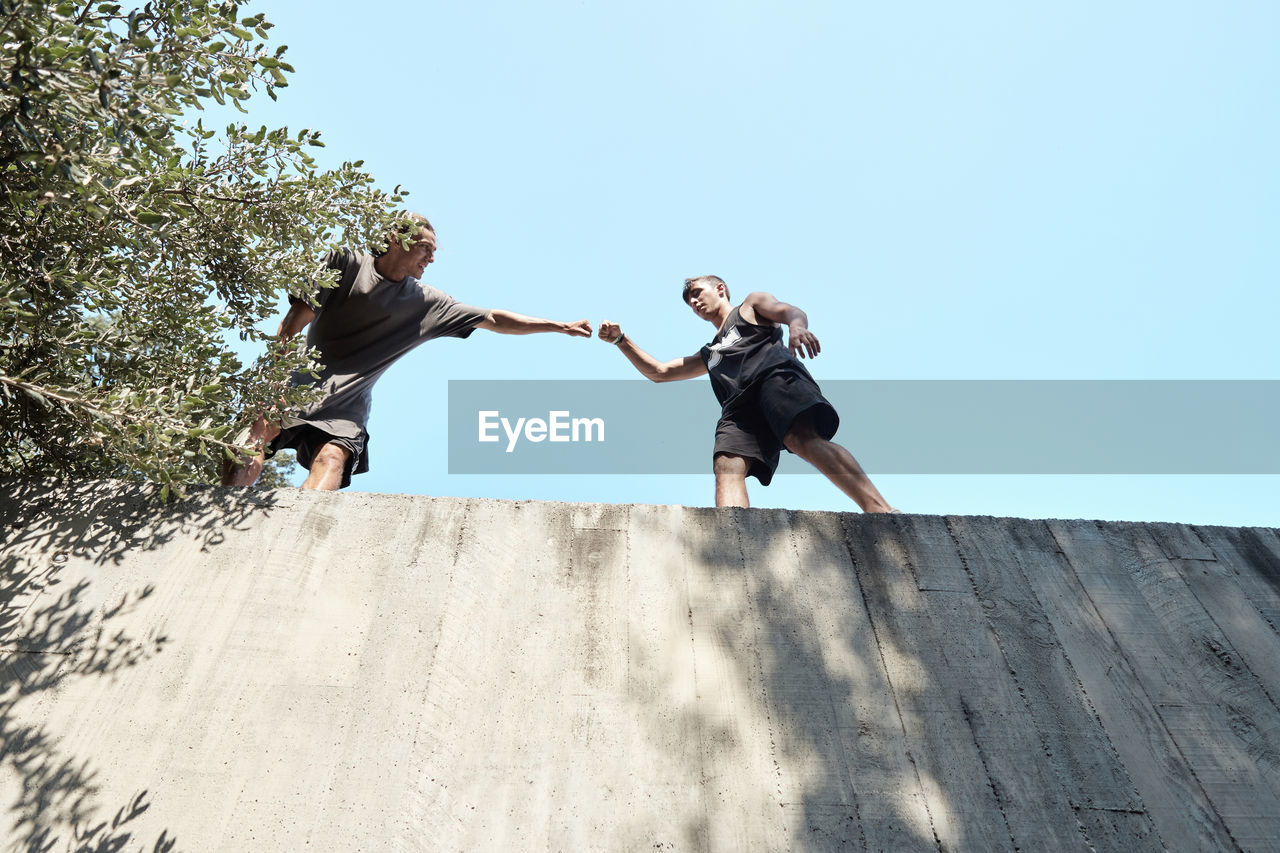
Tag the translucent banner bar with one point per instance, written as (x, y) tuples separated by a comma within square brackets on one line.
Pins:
[(892, 426)]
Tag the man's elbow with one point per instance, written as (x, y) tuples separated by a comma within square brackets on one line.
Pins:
[(298, 318)]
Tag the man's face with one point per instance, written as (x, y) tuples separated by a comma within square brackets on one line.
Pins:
[(422, 251), (704, 299)]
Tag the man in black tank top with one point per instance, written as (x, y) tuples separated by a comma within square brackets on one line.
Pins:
[(769, 401)]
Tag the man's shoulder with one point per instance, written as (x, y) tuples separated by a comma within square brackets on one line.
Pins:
[(747, 309), (349, 264), (346, 257)]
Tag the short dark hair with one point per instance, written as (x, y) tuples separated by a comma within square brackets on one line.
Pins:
[(712, 280), (409, 222), (414, 222)]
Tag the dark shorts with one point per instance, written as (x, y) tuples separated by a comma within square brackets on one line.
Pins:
[(755, 423), (307, 440)]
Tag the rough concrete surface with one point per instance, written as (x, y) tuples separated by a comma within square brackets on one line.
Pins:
[(286, 670)]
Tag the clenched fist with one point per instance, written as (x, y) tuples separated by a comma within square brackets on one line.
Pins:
[(610, 333)]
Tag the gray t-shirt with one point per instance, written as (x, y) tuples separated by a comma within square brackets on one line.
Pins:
[(361, 327)]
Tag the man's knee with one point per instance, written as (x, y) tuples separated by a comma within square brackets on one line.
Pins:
[(331, 456), (802, 437), (328, 468), (727, 465), (243, 470)]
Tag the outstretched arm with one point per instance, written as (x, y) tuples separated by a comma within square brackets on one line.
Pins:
[(659, 371), (799, 339), (511, 323)]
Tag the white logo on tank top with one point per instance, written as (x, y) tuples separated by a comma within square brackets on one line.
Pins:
[(730, 338)]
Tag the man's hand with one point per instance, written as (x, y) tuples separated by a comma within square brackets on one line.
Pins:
[(610, 333), (580, 329), (649, 367), (801, 339)]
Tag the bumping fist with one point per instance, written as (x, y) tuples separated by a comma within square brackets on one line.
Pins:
[(580, 329), (610, 333)]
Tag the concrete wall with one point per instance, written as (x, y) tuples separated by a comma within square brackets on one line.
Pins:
[(288, 670)]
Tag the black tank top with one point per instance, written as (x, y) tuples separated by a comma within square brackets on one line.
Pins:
[(741, 353)]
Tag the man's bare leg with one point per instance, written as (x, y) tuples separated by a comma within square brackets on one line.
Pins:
[(245, 471), (731, 480), (327, 467), (837, 464)]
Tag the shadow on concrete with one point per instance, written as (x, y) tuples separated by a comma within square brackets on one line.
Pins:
[(815, 655), (102, 520), (1254, 545), (50, 635)]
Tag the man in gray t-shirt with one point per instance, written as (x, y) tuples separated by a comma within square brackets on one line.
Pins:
[(377, 313)]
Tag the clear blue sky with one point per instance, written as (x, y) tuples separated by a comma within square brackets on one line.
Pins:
[(952, 191)]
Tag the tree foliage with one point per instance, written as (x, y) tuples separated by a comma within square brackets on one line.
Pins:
[(135, 242)]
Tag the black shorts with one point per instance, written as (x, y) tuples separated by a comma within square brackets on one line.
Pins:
[(754, 423), (307, 440)]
